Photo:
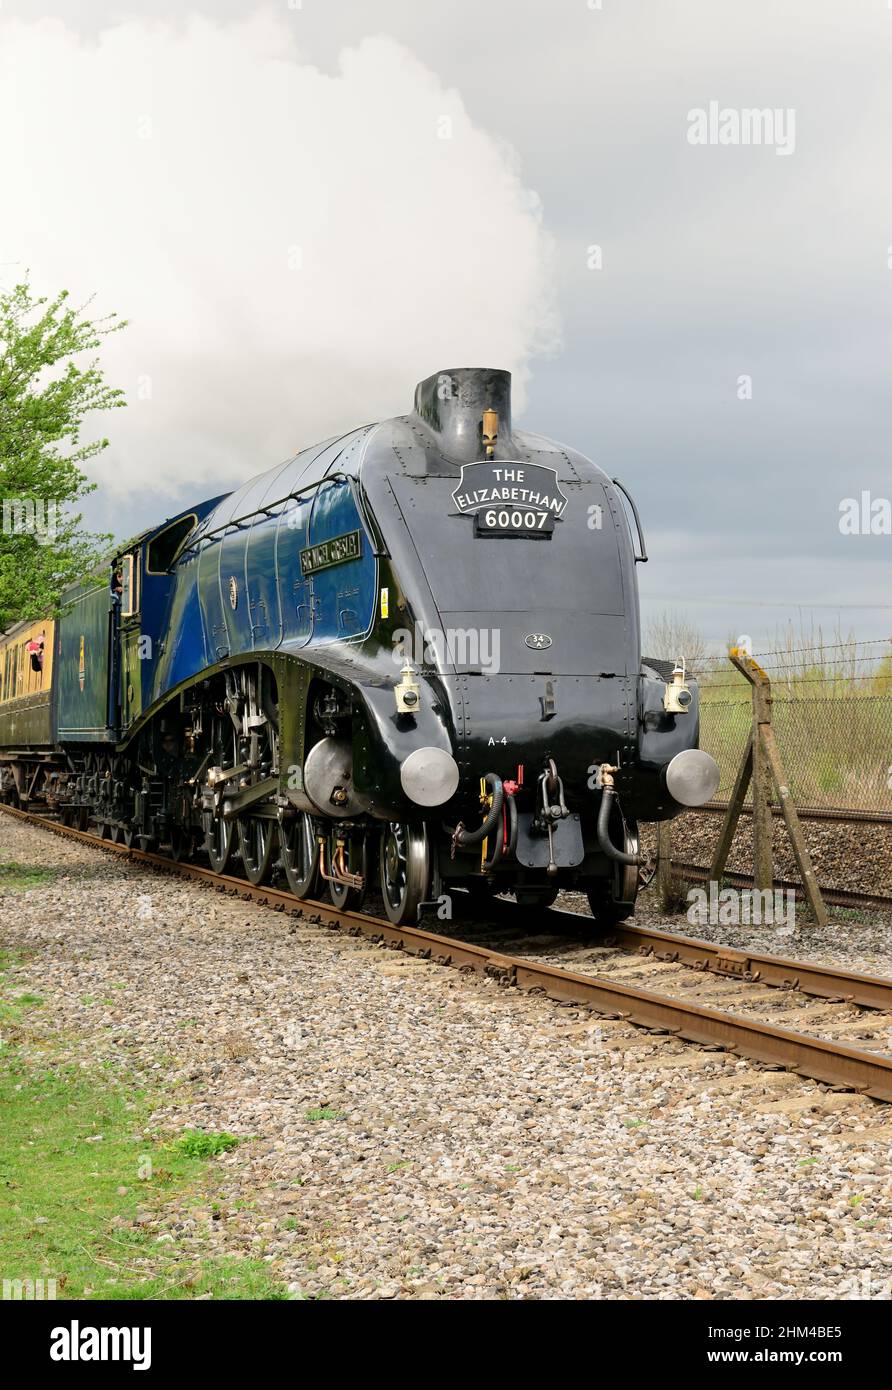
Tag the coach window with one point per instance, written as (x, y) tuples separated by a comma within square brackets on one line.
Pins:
[(129, 586)]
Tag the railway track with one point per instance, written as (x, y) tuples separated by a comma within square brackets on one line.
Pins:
[(830, 813), (825, 1003), (837, 897), (610, 982)]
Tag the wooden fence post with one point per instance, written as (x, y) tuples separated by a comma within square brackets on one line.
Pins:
[(762, 764), (763, 821), (794, 828), (732, 815)]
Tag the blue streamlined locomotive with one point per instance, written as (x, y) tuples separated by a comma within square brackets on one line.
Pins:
[(407, 658)]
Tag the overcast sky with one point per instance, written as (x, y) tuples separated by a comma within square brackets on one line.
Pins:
[(304, 209)]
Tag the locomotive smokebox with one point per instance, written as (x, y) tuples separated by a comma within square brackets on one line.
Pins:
[(452, 404)]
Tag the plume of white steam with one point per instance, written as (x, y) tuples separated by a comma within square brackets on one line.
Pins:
[(294, 250)]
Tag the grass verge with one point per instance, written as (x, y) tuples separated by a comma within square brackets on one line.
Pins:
[(89, 1201), (16, 878)]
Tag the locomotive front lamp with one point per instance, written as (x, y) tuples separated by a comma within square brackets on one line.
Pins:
[(407, 691), (490, 431), (677, 695)]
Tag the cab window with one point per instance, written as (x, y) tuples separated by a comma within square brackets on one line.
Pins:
[(127, 573), (163, 550)]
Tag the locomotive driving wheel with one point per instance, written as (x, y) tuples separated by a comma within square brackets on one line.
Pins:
[(405, 870), (219, 841), (256, 839), (612, 899), (300, 853), (219, 833)]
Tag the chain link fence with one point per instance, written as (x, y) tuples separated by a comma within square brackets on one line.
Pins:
[(837, 750)]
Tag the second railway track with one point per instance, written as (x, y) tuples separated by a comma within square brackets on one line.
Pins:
[(836, 897), (609, 980)]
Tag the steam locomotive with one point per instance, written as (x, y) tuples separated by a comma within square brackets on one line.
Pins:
[(407, 659)]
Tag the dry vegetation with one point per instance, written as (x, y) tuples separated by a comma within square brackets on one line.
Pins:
[(832, 710)]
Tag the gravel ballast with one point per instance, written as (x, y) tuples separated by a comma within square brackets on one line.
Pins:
[(473, 1142)]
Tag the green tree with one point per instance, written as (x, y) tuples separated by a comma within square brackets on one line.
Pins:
[(47, 387)]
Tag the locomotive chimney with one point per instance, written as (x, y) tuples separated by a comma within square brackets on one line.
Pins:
[(459, 405)]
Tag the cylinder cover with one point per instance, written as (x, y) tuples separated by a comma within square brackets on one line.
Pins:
[(328, 779)]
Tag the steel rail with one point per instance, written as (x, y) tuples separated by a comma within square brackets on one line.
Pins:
[(711, 957), (830, 1062), (826, 982), (829, 813), (838, 897)]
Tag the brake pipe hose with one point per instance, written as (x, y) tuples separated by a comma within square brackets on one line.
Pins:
[(461, 837), (608, 796), (506, 837)]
